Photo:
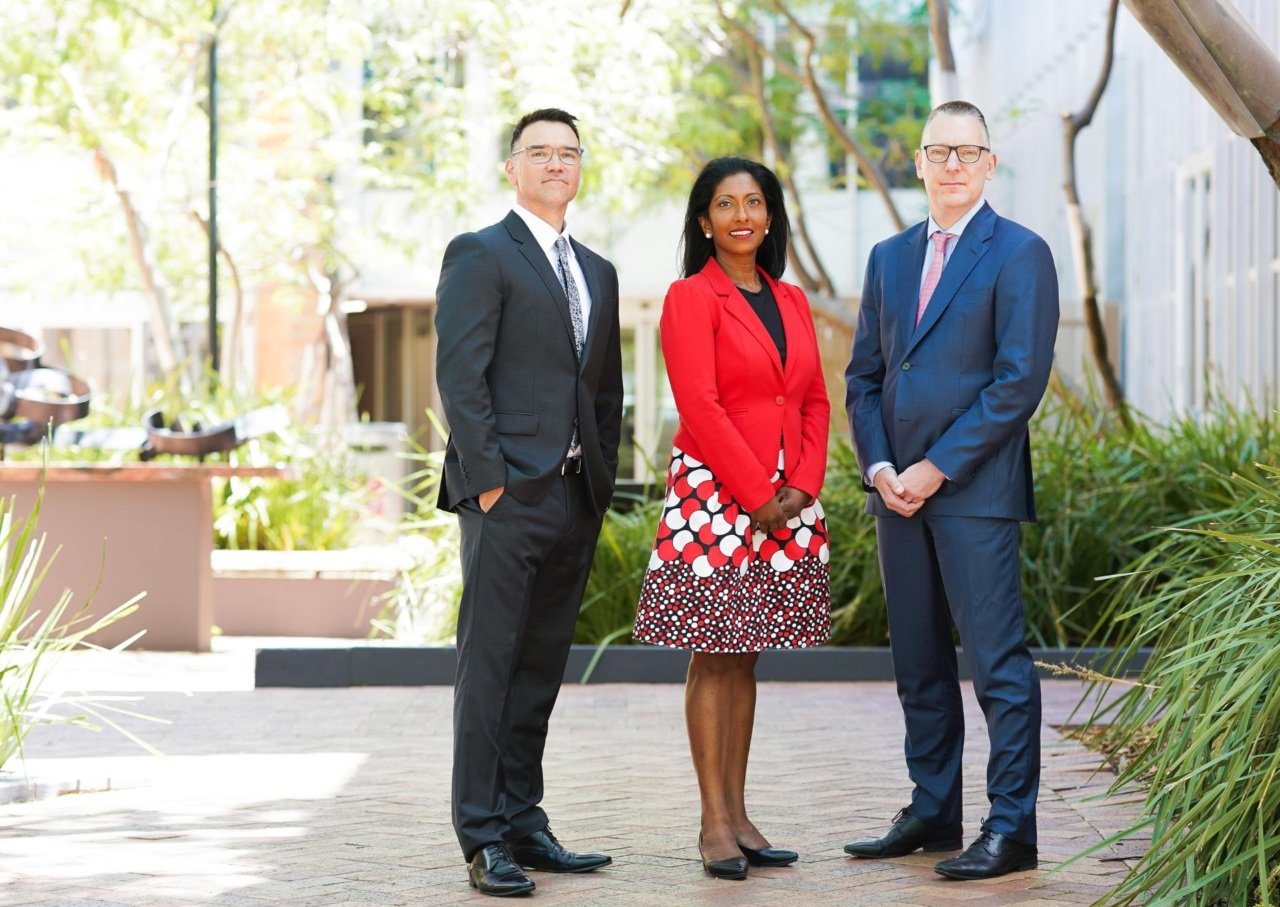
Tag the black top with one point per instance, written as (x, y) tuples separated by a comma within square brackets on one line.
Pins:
[(766, 307)]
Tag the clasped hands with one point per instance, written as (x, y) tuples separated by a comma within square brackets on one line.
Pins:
[(784, 506), (906, 493)]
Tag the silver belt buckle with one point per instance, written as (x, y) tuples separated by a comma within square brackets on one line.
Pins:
[(571, 466)]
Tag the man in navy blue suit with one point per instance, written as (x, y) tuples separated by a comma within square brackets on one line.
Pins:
[(952, 354)]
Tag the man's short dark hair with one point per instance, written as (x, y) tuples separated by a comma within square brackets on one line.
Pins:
[(545, 115), (959, 109)]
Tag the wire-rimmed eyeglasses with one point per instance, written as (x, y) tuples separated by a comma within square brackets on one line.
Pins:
[(541, 154)]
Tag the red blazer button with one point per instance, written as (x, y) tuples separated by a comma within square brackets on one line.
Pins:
[(779, 400)]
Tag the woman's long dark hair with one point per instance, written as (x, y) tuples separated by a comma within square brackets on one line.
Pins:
[(694, 245)]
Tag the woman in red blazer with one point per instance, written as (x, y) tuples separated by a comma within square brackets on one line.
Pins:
[(739, 564)]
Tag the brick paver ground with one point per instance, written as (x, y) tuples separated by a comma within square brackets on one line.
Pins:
[(340, 797)]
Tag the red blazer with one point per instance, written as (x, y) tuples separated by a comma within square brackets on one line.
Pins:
[(736, 400)]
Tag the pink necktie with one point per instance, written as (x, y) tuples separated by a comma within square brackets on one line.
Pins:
[(935, 271)]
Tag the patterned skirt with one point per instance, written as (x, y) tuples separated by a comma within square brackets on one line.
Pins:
[(716, 585)]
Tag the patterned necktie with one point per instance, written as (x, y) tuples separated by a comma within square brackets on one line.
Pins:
[(571, 292), (575, 312), (935, 271)]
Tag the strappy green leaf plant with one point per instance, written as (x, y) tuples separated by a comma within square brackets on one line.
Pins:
[(32, 641), (1203, 726)]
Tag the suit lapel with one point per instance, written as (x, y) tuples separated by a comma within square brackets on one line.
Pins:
[(736, 305), (907, 284), (970, 248), (587, 261), (533, 254)]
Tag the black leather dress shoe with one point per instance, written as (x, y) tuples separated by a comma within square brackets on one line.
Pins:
[(543, 852), (769, 856), (494, 871), (993, 854), (908, 835), (732, 868)]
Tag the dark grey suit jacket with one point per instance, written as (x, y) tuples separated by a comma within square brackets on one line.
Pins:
[(960, 388), (512, 387)]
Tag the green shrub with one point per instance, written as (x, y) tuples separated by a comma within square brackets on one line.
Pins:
[(1203, 729), (315, 508), (423, 606), (1101, 493), (622, 557)]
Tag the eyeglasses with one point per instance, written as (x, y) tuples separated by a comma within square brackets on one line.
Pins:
[(968, 154), (541, 154)]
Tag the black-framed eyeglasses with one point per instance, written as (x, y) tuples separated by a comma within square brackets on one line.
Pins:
[(967, 154), (541, 154)]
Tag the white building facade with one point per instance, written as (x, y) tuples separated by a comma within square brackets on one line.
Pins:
[(1186, 219)]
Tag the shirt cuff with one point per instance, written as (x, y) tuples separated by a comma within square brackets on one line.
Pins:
[(875, 468)]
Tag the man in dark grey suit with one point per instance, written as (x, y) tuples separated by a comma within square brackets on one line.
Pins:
[(530, 373), (951, 356)]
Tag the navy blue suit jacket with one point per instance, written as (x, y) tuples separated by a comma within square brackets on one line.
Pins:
[(960, 388)]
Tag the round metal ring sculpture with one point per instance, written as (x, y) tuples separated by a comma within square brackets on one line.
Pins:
[(19, 351), (194, 442)]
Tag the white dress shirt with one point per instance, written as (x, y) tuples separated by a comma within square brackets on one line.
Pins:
[(545, 236)]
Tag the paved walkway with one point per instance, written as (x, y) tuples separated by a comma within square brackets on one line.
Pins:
[(340, 797)]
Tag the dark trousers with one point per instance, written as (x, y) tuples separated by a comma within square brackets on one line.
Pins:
[(523, 572), (940, 570)]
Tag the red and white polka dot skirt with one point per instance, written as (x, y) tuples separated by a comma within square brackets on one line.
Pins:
[(716, 585)]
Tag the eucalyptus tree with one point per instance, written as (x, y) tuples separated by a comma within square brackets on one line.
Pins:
[(317, 101)]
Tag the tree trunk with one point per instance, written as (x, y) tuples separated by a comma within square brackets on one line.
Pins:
[(945, 84), (168, 344), (169, 347), (813, 278), (1223, 57), (1269, 149), (1082, 236), (867, 166)]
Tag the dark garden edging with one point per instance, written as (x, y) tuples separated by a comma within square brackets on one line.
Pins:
[(383, 665)]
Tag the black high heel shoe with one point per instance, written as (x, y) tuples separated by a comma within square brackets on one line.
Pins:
[(769, 856), (732, 868)]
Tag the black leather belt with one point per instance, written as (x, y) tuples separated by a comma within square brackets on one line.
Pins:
[(571, 466)]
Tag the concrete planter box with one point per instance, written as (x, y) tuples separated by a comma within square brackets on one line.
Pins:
[(125, 530), (297, 593), (391, 665)]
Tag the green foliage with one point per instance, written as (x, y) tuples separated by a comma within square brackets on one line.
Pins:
[(423, 606), (882, 46), (1102, 497), (622, 557), (31, 643), (857, 600), (314, 508), (1203, 727)]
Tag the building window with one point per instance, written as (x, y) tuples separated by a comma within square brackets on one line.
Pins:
[(1195, 286)]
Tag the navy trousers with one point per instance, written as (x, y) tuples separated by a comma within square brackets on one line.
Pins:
[(944, 570)]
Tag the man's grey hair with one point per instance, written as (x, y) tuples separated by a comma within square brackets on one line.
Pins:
[(959, 109)]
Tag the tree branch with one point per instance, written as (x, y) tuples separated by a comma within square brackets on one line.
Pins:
[(821, 282), (1082, 236), (866, 165), (168, 346)]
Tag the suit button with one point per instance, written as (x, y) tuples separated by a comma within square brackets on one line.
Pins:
[(779, 400), (906, 366)]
